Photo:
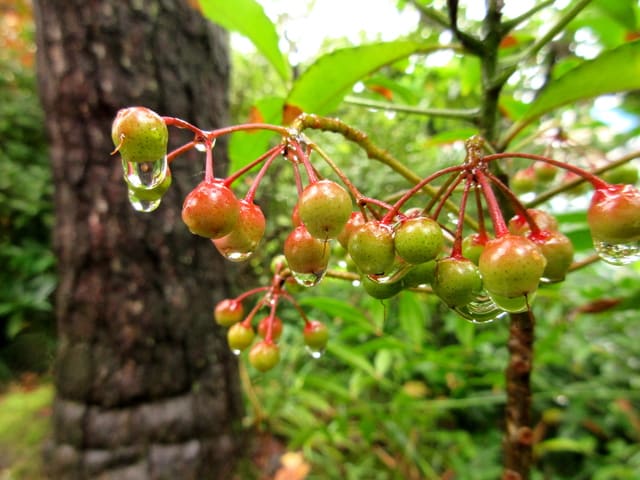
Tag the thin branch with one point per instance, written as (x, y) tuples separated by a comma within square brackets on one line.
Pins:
[(514, 22), (470, 115)]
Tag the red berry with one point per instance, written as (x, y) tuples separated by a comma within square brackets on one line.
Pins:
[(418, 240), (557, 250), (246, 234), (211, 210), (355, 220), (511, 266), (264, 355), (325, 208), (614, 214), (276, 327), (228, 312), (518, 224), (139, 134), (240, 336), (371, 248), (305, 253), (316, 335)]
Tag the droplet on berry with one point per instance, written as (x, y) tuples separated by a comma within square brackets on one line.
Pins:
[(456, 281), (380, 291), (614, 220), (316, 336), (145, 175), (242, 241), (481, 309), (139, 135), (514, 304), (307, 256), (148, 199)]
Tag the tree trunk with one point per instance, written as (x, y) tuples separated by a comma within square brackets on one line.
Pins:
[(146, 386)]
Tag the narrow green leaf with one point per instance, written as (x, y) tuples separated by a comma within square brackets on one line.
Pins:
[(248, 18), (616, 70), (621, 11), (351, 357), (323, 85)]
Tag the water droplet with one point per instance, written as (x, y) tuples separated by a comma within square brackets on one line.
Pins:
[(237, 256), (618, 253), (145, 206), (236, 352), (145, 174), (202, 146), (316, 354), (398, 271), (481, 310), (515, 304), (308, 279)]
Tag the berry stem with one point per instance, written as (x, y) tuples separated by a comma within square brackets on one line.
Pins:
[(179, 123), (519, 208), (269, 154), (482, 228), (246, 127), (416, 188), (456, 249), (248, 293), (499, 225), (588, 176), (345, 180), (302, 155), (268, 337), (251, 193), (180, 150), (208, 162), (445, 195)]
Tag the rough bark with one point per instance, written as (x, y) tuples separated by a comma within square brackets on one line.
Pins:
[(146, 387)]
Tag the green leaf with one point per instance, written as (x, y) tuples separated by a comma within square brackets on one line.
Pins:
[(616, 70), (621, 11), (351, 357), (323, 85), (248, 18)]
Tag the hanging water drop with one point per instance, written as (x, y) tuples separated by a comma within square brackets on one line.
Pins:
[(315, 354), (201, 145), (236, 352), (140, 205), (308, 279), (618, 253), (515, 304), (398, 271), (145, 175), (481, 309)]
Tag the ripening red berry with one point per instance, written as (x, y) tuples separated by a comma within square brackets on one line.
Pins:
[(316, 335), (614, 214), (243, 240), (557, 250), (228, 312), (511, 266), (211, 210), (325, 208), (523, 181), (276, 327), (355, 220), (305, 253), (518, 224)]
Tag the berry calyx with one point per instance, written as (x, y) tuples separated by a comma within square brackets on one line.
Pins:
[(614, 214), (264, 355), (139, 135), (418, 240), (240, 336), (228, 312), (211, 210), (511, 266), (305, 253), (456, 281), (316, 335), (324, 208), (243, 240), (276, 327), (371, 248)]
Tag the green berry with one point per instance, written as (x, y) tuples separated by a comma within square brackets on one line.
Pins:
[(325, 208), (228, 312), (316, 335), (557, 250), (371, 248), (420, 275), (240, 336), (418, 240), (139, 135), (456, 281), (355, 221), (264, 355)]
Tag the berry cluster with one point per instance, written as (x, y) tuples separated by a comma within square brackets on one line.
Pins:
[(482, 275)]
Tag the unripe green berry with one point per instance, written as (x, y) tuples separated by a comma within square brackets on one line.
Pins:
[(371, 248), (240, 336), (418, 240), (456, 281)]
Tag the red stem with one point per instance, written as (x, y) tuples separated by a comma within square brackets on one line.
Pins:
[(445, 196), (180, 150), (251, 193), (591, 178), (456, 249), (179, 123), (208, 163), (482, 229), (499, 226), (304, 158), (417, 187), (248, 293), (237, 174)]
